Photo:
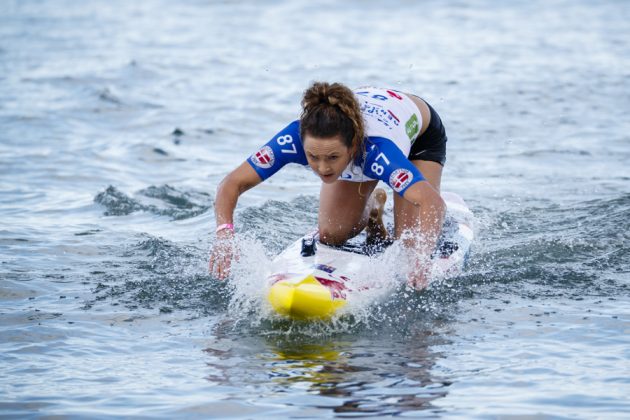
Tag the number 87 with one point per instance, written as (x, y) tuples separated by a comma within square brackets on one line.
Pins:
[(286, 139), (379, 169)]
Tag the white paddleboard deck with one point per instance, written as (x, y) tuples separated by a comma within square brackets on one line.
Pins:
[(339, 268)]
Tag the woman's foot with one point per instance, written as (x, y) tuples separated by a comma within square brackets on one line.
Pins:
[(376, 231)]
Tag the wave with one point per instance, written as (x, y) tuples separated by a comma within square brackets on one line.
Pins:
[(155, 273), (167, 201), (576, 249), (529, 252)]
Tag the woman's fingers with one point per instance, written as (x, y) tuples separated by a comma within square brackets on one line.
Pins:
[(213, 266), (220, 261), (224, 269), (418, 280)]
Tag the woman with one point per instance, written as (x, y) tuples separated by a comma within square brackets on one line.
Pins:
[(351, 140)]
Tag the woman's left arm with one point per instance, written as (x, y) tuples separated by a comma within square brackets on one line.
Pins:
[(423, 241), (386, 162)]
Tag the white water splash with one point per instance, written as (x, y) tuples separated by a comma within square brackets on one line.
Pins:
[(248, 280), (376, 281)]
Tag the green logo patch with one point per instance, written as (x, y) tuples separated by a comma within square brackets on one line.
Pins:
[(412, 127)]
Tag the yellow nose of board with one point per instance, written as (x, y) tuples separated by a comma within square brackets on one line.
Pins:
[(303, 299)]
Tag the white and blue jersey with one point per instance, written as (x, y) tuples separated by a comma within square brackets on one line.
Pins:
[(392, 123)]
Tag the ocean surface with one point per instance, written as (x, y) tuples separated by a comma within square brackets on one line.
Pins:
[(118, 119)]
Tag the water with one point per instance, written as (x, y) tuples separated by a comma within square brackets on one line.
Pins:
[(118, 119)]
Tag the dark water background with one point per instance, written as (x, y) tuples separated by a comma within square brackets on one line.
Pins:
[(118, 119)]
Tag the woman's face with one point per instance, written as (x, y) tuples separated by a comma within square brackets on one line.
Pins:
[(328, 157)]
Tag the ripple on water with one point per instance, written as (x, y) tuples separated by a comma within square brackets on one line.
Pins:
[(163, 201), (107, 305)]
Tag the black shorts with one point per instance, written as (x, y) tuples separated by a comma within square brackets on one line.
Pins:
[(431, 145)]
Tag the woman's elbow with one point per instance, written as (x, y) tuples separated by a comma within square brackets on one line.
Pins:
[(440, 204), (434, 204), (425, 196), (238, 181), (229, 185)]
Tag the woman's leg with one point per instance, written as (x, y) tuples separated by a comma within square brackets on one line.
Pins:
[(342, 210), (407, 215)]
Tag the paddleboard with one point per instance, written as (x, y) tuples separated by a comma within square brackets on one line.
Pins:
[(310, 280)]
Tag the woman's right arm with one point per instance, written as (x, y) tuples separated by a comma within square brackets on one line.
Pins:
[(233, 185), (285, 147)]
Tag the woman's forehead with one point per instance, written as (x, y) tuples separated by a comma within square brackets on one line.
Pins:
[(324, 145)]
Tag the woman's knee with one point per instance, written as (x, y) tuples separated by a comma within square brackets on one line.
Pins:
[(334, 237)]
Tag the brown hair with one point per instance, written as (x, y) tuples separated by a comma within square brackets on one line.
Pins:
[(332, 109)]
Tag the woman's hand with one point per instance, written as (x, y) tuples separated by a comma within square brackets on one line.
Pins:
[(222, 254), (422, 237), (418, 278), (233, 185), (419, 264)]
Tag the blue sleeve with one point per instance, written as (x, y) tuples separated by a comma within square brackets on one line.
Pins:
[(285, 147), (385, 162)]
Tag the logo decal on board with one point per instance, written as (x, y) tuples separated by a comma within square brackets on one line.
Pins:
[(264, 158), (336, 288), (399, 179), (327, 268)]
